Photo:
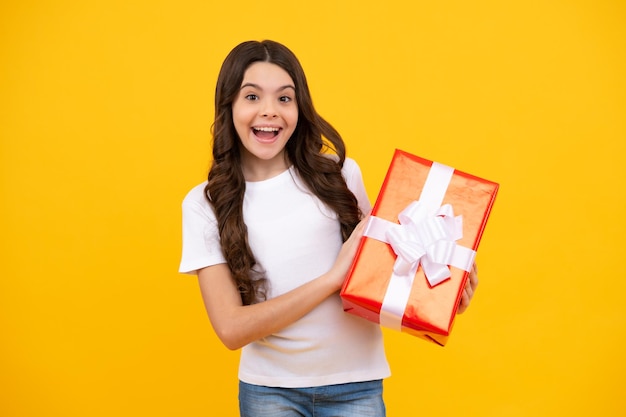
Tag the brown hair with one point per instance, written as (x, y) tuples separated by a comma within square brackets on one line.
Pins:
[(311, 139)]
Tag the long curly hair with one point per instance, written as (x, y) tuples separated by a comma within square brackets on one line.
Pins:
[(312, 138)]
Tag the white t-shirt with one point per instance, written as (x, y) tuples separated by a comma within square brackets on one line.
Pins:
[(295, 238)]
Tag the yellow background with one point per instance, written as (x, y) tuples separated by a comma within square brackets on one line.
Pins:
[(105, 120)]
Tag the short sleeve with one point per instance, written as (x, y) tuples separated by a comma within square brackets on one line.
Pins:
[(201, 243), (354, 180)]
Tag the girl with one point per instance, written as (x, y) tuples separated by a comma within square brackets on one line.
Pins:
[(271, 236)]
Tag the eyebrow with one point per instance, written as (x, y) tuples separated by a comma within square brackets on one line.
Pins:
[(284, 87)]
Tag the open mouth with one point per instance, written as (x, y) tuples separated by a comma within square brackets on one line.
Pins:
[(266, 132)]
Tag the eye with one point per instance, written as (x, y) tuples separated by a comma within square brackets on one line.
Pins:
[(285, 99), (251, 97)]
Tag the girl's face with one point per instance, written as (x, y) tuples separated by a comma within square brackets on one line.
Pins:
[(265, 114)]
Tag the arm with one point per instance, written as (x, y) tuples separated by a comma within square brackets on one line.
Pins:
[(237, 325)]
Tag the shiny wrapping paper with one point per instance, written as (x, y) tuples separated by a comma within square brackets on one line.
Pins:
[(430, 311)]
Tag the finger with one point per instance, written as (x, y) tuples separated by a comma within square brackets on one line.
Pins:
[(463, 304), (358, 231), (473, 277), (360, 227), (469, 289), (363, 222), (468, 292)]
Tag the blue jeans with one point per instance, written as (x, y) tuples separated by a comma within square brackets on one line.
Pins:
[(356, 399)]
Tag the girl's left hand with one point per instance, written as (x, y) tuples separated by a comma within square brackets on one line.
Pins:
[(468, 291)]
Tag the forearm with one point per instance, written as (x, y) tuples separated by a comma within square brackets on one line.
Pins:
[(238, 325)]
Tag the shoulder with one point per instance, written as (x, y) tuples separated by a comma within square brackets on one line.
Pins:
[(351, 171), (196, 194), (349, 164), (197, 211), (196, 198)]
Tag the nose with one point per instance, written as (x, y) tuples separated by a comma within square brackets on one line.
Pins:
[(269, 109)]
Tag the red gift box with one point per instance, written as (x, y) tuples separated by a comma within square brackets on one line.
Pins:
[(414, 260)]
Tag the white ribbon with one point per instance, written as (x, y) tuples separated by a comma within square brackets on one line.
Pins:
[(426, 236)]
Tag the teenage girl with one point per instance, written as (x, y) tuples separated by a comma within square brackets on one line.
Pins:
[(271, 236)]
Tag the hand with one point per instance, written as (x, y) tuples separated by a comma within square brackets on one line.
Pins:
[(468, 291), (347, 253)]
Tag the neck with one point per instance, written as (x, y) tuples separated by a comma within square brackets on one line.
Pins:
[(260, 170)]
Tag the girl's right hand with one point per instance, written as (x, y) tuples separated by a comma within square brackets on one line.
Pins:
[(342, 265)]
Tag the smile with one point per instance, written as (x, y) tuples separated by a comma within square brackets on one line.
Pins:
[(266, 132)]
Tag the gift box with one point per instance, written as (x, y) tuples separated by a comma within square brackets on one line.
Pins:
[(419, 246)]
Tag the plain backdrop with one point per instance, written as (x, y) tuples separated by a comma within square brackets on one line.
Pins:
[(105, 116)]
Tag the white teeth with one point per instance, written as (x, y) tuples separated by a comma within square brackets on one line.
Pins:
[(267, 129)]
